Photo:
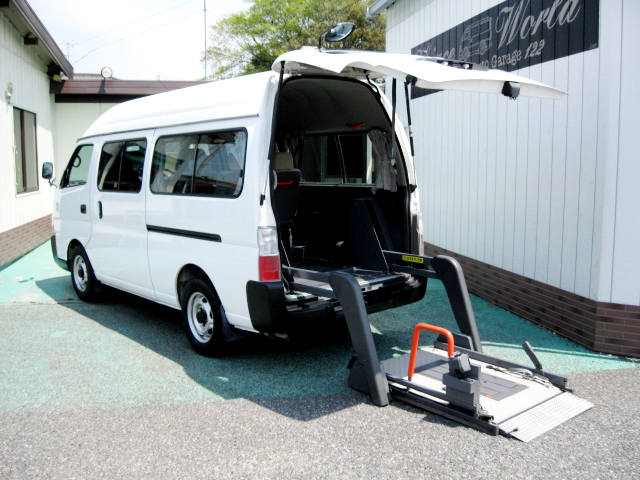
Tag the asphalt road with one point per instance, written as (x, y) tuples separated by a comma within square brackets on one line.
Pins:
[(113, 390)]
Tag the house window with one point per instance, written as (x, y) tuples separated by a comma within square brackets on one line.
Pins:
[(26, 158)]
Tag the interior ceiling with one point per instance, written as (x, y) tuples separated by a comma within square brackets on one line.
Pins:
[(319, 105)]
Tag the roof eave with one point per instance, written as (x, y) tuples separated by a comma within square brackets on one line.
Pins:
[(377, 8), (27, 22)]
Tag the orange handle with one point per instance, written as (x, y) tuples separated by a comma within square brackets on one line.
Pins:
[(416, 339)]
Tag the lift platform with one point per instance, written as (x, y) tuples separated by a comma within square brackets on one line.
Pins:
[(453, 378)]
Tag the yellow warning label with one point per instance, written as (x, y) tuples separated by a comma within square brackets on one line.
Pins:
[(409, 258)]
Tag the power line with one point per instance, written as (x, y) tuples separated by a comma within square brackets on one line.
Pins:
[(133, 23), (136, 34)]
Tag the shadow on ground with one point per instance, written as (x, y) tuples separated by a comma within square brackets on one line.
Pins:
[(312, 363)]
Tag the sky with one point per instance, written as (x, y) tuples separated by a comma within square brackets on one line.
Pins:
[(137, 39)]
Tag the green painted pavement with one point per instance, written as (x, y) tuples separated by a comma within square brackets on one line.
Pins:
[(35, 278), (58, 353)]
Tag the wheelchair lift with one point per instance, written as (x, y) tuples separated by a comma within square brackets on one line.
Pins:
[(453, 378)]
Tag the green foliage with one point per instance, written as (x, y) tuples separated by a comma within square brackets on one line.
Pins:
[(249, 41)]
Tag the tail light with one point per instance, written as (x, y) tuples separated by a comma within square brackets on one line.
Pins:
[(269, 254)]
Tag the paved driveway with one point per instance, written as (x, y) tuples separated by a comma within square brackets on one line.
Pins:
[(114, 390)]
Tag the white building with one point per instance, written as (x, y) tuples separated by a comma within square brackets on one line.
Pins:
[(538, 199), (41, 116), (29, 58)]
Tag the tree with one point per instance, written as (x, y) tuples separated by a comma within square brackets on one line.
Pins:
[(249, 41)]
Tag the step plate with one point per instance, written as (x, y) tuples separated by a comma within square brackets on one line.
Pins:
[(544, 417)]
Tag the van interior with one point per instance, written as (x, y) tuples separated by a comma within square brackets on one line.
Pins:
[(339, 193)]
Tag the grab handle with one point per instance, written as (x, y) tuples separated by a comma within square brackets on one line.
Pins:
[(416, 338)]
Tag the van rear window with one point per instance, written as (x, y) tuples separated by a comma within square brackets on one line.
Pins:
[(200, 164)]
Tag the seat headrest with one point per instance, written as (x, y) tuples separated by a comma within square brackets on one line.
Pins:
[(284, 161)]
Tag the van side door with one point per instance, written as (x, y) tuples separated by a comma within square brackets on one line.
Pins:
[(118, 250)]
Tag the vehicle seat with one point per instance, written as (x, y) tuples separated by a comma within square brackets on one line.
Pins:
[(129, 178), (286, 192)]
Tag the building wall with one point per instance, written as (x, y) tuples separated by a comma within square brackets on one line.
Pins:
[(20, 66), (545, 189), (71, 121)]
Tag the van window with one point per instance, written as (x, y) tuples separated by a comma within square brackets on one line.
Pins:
[(199, 164), (121, 165), (78, 167), (336, 159)]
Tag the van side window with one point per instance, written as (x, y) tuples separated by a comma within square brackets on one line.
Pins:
[(121, 166), (334, 159), (78, 167), (199, 164)]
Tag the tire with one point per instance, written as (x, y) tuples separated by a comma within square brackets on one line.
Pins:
[(201, 317), (82, 276)]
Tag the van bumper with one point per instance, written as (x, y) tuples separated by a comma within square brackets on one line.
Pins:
[(54, 250), (271, 313)]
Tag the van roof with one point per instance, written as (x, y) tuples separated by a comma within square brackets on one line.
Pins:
[(234, 98)]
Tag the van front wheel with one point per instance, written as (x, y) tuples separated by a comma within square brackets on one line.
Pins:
[(201, 317), (82, 277)]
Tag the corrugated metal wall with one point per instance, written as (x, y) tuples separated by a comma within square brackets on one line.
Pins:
[(546, 189), (20, 66)]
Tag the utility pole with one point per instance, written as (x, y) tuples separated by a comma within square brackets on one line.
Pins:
[(205, 39)]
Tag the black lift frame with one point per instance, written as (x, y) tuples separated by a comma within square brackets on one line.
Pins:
[(366, 372)]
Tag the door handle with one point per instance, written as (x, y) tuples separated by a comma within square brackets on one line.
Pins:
[(100, 209), (83, 208)]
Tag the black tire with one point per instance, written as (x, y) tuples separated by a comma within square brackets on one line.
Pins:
[(201, 317), (82, 277)]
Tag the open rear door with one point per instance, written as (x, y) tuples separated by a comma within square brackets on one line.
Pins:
[(427, 72)]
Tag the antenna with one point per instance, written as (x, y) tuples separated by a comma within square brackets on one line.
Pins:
[(69, 44)]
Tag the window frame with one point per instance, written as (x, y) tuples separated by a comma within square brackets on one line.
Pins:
[(336, 138), (23, 161), (64, 181), (243, 163), (124, 141)]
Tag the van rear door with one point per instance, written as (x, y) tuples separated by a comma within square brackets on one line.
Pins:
[(428, 72)]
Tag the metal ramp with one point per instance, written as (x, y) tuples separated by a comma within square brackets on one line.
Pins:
[(454, 378)]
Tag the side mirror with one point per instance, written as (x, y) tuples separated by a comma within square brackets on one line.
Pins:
[(47, 172)]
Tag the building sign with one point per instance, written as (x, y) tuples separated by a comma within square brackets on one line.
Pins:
[(518, 33)]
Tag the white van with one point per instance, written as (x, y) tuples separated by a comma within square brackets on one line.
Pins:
[(232, 200)]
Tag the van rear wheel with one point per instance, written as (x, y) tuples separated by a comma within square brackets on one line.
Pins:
[(201, 317), (82, 276)]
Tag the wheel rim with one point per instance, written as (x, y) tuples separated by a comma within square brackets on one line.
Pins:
[(200, 317), (80, 273)]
